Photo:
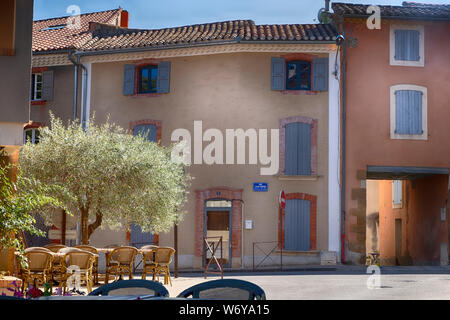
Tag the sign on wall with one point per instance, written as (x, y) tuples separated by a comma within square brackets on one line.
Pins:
[(260, 187)]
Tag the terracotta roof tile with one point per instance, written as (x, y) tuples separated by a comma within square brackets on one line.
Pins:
[(105, 37), (406, 10), (53, 34)]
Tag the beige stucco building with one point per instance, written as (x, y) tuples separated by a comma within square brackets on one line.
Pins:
[(207, 81)]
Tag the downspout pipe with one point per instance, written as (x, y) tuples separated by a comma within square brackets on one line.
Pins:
[(77, 65), (344, 115)]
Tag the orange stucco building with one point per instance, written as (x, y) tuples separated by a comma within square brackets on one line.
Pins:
[(396, 75)]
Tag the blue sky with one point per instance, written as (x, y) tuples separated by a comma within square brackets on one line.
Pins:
[(148, 14)]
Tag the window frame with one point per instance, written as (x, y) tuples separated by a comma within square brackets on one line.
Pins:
[(148, 67), (34, 83), (299, 75), (33, 135), (397, 205), (393, 105), (407, 63)]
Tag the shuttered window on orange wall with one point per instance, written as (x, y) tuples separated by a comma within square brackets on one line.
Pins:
[(7, 26)]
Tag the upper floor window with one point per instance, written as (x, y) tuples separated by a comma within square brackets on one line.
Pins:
[(397, 191), (148, 79), (143, 79), (31, 135), (407, 45), (42, 86), (299, 75), (36, 86), (409, 112)]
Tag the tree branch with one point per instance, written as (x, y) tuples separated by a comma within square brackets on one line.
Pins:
[(97, 223)]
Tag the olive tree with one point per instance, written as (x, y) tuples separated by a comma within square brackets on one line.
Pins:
[(112, 176)]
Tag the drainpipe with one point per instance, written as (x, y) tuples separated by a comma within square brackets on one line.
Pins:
[(344, 115), (77, 65)]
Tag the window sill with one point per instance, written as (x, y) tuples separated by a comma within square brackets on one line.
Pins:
[(299, 92), (146, 95), (298, 178), (38, 103)]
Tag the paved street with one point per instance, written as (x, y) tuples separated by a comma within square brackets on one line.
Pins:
[(343, 282)]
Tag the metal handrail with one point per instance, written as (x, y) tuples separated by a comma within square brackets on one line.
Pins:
[(267, 255)]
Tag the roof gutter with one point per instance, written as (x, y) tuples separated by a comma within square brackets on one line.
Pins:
[(365, 16)]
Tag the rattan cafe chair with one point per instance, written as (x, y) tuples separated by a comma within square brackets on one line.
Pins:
[(94, 251), (148, 261), (163, 258), (122, 261), (84, 260), (39, 268)]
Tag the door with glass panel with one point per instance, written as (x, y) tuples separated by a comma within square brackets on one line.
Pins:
[(218, 231)]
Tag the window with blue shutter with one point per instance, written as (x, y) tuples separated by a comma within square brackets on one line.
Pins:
[(297, 223), (298, 149), (148, 130), (407, 45), (408, 112), (298, 75), (151, 79), (148, 79), (397, 193)]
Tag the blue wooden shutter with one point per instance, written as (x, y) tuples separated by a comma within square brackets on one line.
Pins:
[(47, 85), (407, 45), (320, 74), (163, 85), (408, 112), (278, 71), (129, 79), (150, 130), (297, 225), (139, 238), (298, 149)]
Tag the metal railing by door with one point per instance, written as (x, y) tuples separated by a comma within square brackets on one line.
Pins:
[(212, 244), (269, 251)]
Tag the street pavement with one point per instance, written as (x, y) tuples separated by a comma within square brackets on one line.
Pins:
[(337, 283)]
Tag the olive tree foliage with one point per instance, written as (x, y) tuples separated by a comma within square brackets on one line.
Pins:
[(113, 177), (17, 206)]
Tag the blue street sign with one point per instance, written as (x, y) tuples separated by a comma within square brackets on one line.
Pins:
[(260, 186)]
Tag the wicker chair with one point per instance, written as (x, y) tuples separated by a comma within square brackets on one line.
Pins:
[(58, 271), (55, 247), (94, 251), (39, 267), (148, 261), (163, 258), (84, 260), (122, 260)]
